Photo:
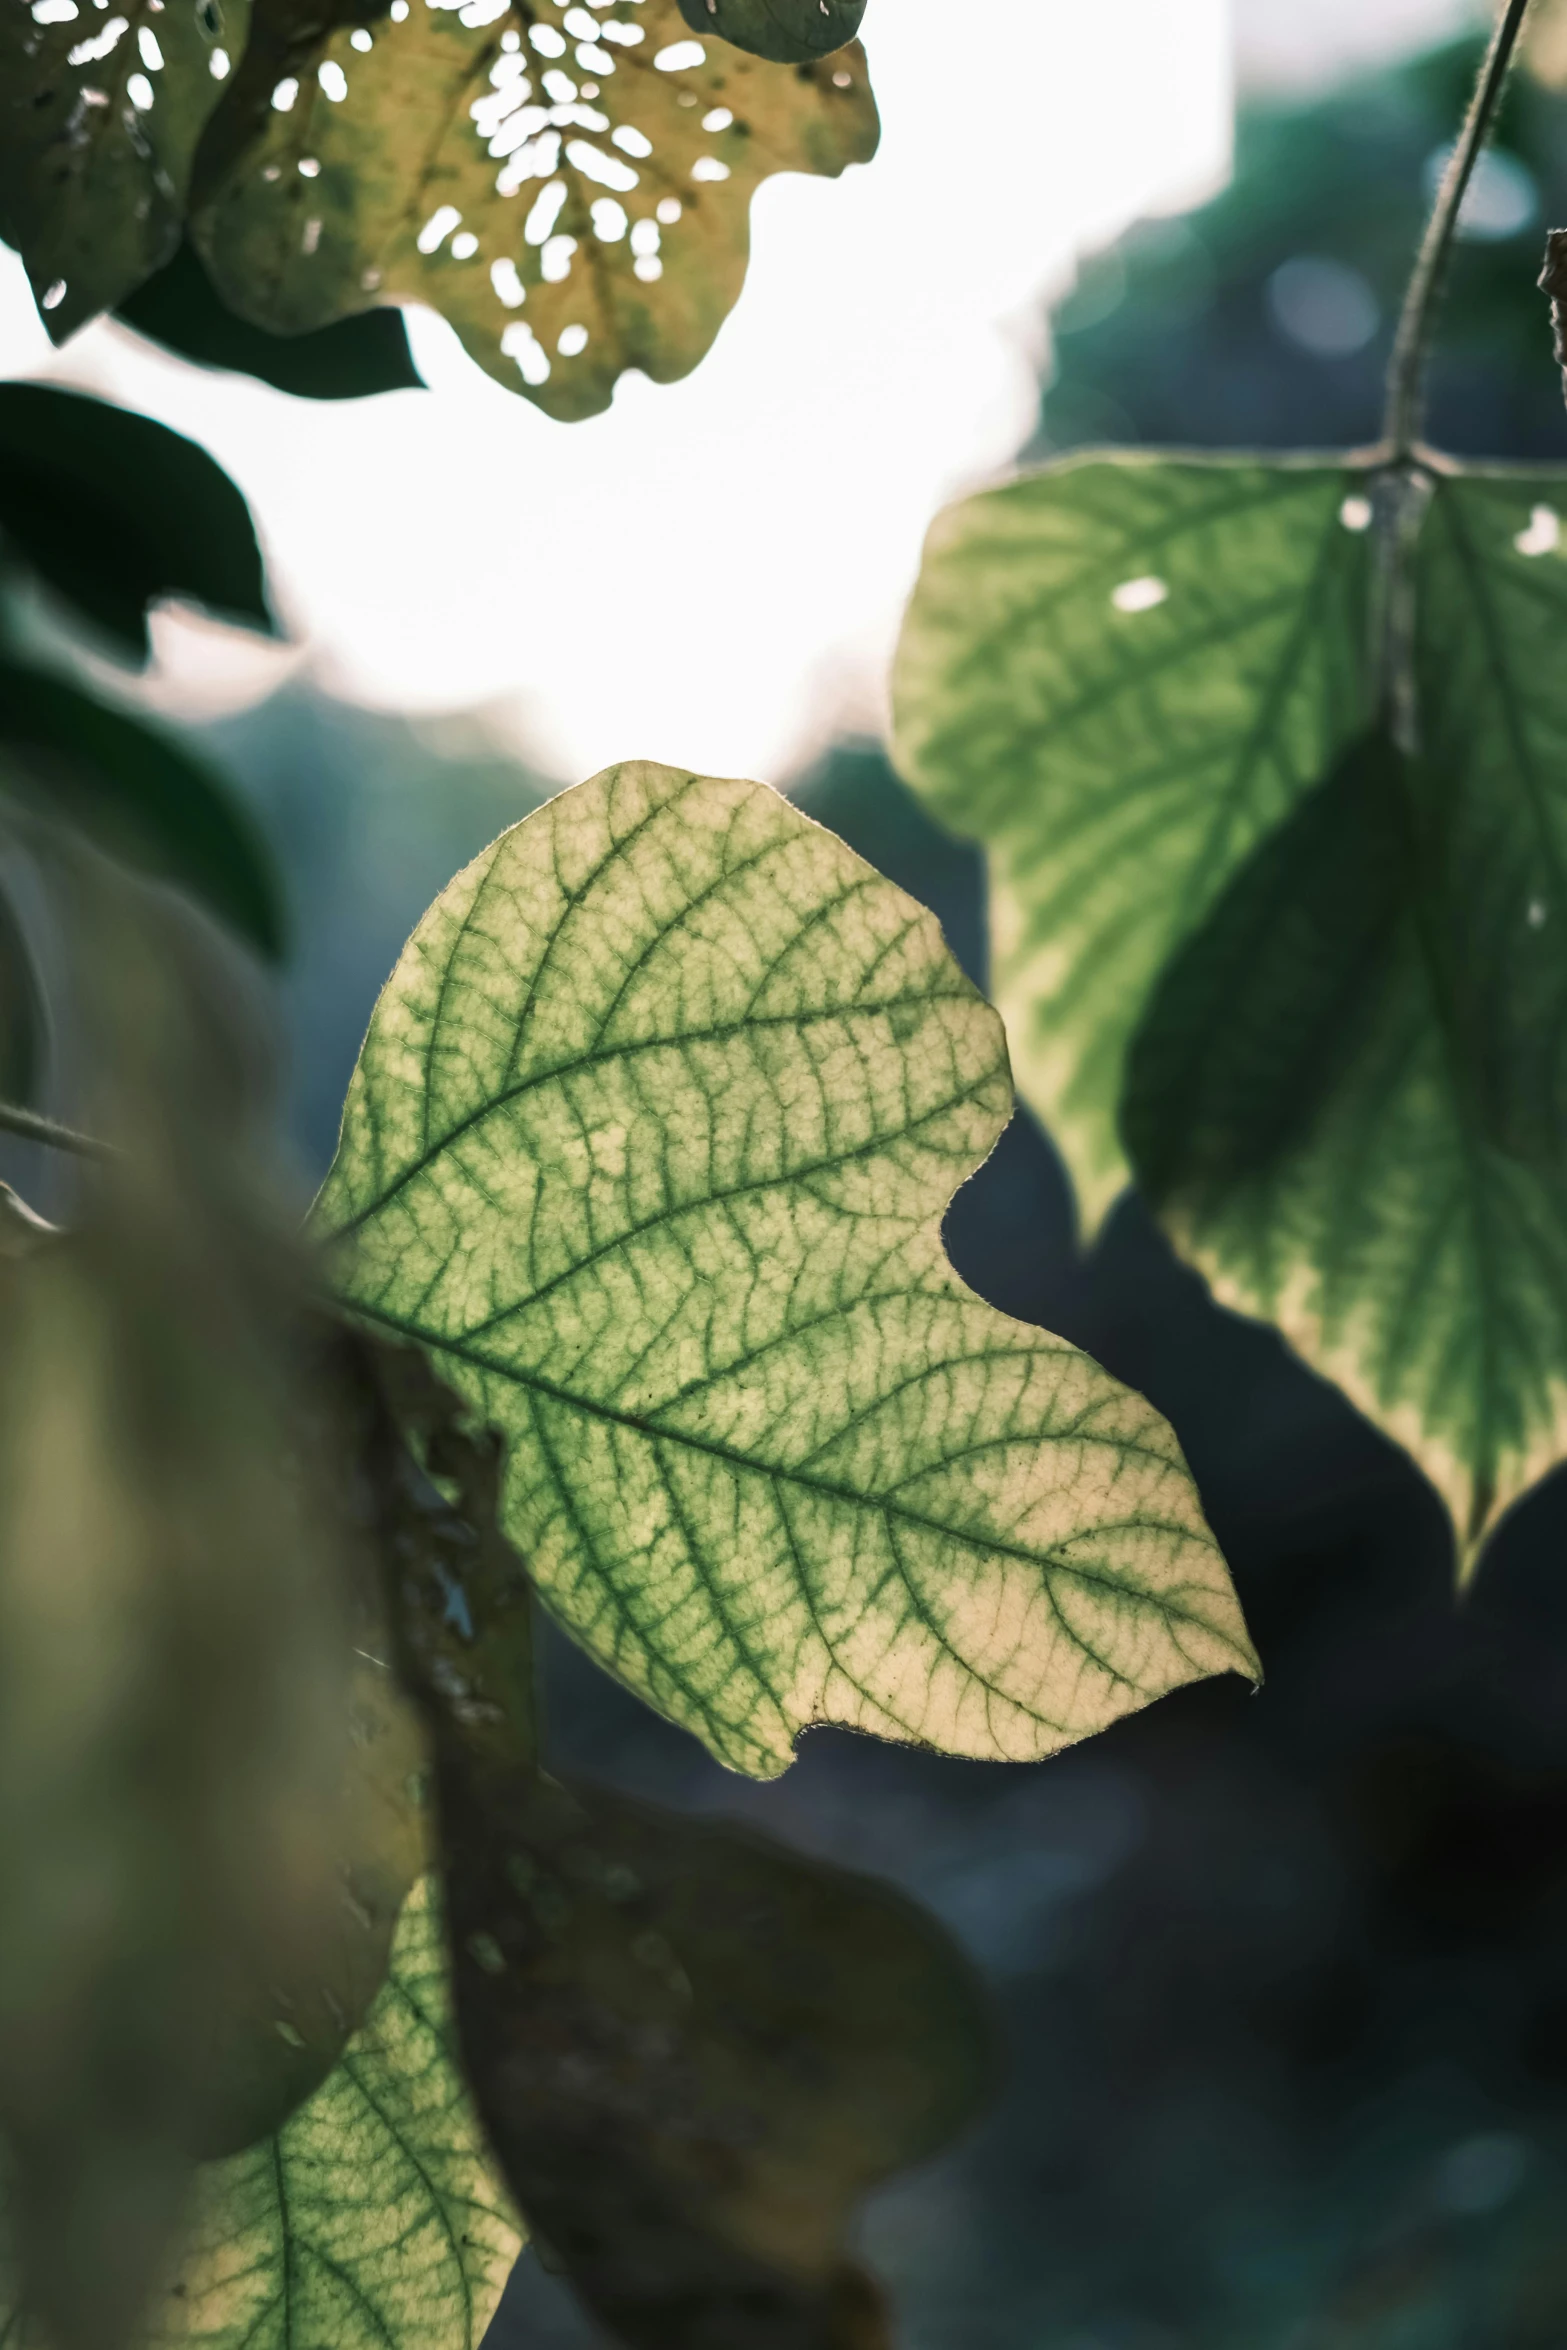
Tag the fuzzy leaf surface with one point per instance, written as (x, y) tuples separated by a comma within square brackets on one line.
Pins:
[(486, 182), (371, 2221), (1120, 674), (648, 1147), (100, 115), (1344, 1080)]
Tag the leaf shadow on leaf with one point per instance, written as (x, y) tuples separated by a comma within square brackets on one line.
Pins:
[(1261, 1010), (92, 184)]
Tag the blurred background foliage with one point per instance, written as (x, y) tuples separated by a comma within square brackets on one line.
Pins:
[(1283, 1978)]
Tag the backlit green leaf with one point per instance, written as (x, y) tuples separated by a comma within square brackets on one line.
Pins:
[(574, 207), (100, 113), (789, 30), (1342, 1053), (114, 512), (372, 2220), (648, 1146), (1120, 674)]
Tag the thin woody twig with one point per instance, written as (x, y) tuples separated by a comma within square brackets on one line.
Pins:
[(1553, 281)]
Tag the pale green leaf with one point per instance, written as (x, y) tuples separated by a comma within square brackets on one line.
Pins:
[(372, 2220), (648, 1146), (574, 208), (1120, 674), (100, 114), (1347, 1085)]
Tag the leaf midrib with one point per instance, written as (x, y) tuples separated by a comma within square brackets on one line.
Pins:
[(823, 1488)]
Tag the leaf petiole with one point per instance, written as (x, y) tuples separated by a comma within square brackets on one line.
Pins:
[(1412, 343), (33, 1126), (1403, 489)]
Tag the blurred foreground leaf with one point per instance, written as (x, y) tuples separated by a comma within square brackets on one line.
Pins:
[(346, 361), (567, 233), (172, 1629), (269, 2060), (372, 2220), (1142, 682), (648, 1147), (790, 31), (116, 512), (99, 119), (695, 2052), (22, 1019), (142, 796)]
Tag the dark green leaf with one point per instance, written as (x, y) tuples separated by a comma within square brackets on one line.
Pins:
[(142, 796), (100, 115), (695, 2053), (1491, 659), (22, 1021), (1260, 1014), (345, 361), (116, 512), (789, 30)]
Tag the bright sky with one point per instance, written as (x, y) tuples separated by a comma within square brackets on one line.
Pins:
[(711, 573)]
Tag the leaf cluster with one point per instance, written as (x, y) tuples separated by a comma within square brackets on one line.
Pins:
[(1271, 763), (256, 186), (104, 515), (626, 1294)]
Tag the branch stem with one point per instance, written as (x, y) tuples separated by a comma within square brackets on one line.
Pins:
[(33, 1126), (1412, 344)]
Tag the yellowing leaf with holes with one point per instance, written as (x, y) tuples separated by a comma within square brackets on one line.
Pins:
[(1322, 986), (372, 2221), (648, 1146), (571, 191), (100, 112)]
